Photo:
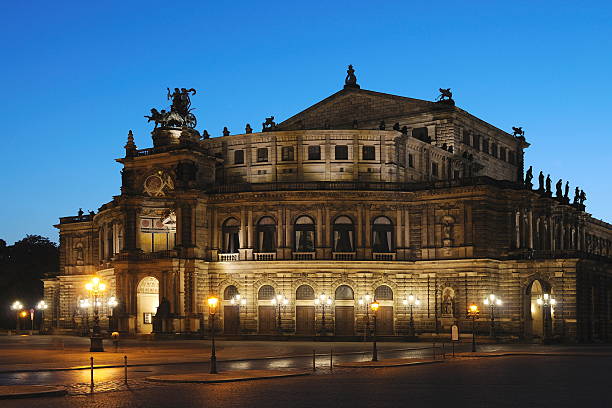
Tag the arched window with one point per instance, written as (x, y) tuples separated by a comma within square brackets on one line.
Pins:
[(231, 236), (230, 292), (382, 235), (266, 292), (304, 292), (344, 292), (304, 230), (343, 234), (383, 292), (266, 235)]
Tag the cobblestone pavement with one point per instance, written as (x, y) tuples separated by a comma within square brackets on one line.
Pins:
[(557, 382)]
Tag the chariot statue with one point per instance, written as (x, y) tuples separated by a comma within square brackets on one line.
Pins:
[(180, 114)]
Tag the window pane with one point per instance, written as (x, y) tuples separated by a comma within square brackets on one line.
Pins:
[(314, 152), (262, 154), (266, 292), (383, 293), (344, 292), (304, 292), (341, 152), (230, 292), (287, 153), (369, 153), (239, 157)]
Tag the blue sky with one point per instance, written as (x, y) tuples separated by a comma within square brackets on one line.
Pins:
[(76, 77)]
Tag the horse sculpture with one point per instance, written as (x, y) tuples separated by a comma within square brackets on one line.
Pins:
[(445, 94)]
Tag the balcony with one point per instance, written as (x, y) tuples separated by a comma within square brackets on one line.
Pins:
[(232, 257), (383, 256), (264, 256), (303, 256), (343, 256)]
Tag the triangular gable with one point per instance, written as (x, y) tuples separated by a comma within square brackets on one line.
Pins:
[(350, 104)]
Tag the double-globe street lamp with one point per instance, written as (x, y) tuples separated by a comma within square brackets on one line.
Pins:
[(17, 306), (42, 306), (323, 301), (493, 301), (546, 302), (213, 302), (96, 288), (279, 301), (411, 301), (365, 302)]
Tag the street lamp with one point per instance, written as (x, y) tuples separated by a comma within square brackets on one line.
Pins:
[(42, 306), (212, 309), (411, 301), (546, 302), (473, 312), (85, 304), (374, 305), (279, 301), (492, 301), (323, 301), (365, 302), (16, 307), (95, 289), (239, 301)]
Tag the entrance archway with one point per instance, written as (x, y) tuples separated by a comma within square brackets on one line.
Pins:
[(147, 301), (535, 319)]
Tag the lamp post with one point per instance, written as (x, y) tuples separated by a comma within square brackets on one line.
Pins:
[(410, 302), (238, 301), (473, 312), (16, 307), (96, 288), (492, 301), (365, 302), (42, 306), (279, 301), (374, 305), (112, 304), (212, 310), (546, 302), (323, 301), (85, 304)]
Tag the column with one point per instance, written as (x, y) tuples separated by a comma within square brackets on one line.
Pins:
[(530, 226)]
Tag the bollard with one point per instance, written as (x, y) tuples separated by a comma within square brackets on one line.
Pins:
[(125, 370), (331, 359), (92, 379), (314, 367)]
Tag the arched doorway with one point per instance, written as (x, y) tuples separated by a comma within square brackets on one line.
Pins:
[(304, 311), (231, 311), (384, 317), (266, 312), (537, 318), (345, 311), (147, 301)]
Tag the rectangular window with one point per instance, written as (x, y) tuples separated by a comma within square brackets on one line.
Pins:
[(494, 150), (421, 134), (262, 154), (467, 138), (477, 142), (239, 157), (369, 153), (502, 153), (485, 145), (287, 153), (434, 169), (314, 152), (512, 157), (410, 160), (341, 152)]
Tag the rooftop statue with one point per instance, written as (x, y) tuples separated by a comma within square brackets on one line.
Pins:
[(180, 110), (445, 95), (351, 79), (518, 131), (541, 182), (529, 177), (269, 124), (548, 183), (558, 187)]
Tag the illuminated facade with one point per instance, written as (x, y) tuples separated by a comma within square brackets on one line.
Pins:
[(363, 193)]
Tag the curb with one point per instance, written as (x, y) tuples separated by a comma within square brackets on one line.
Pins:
[(186, 379), (30, 391), (382, 364)]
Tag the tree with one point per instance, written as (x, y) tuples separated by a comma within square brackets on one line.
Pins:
[(22, 266)]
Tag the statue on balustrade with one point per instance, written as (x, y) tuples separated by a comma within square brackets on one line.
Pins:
[(577, 196), (529, 177), (541, 182), (566, 195), (558, 189), (548, 185)]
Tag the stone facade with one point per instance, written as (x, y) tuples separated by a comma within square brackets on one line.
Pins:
[(361, 194)]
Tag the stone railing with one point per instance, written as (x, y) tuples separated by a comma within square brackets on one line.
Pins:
[(383, 256), (343, 256), (76, 218), (303, 256), (264, 256), (229, 257), (145, 256)]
